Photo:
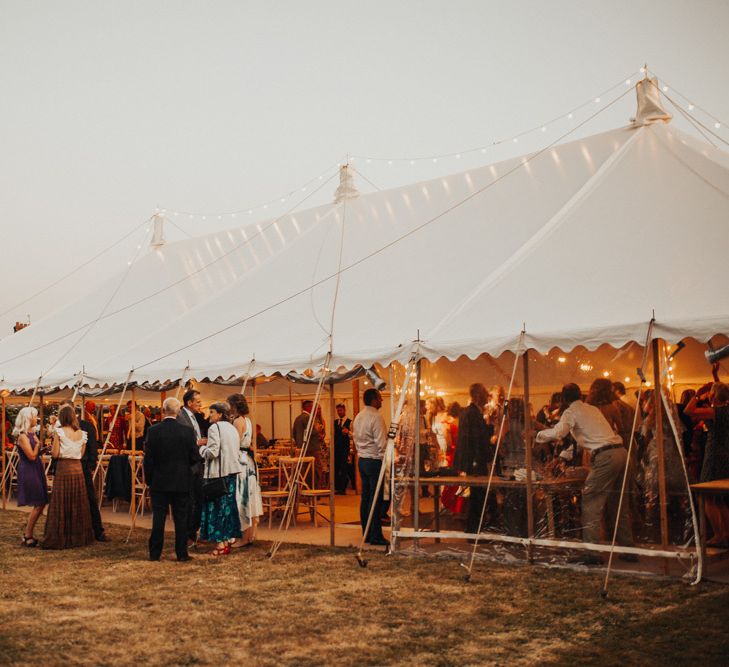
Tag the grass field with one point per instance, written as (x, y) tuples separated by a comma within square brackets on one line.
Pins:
[(107, 605)]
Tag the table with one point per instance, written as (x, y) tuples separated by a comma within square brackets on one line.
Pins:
[(550, 486), (718, 487)]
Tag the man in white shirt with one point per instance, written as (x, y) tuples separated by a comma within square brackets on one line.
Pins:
[(370, 440), (608, 458)]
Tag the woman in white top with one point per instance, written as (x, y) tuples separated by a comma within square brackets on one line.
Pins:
[(69, 515), (440, 425), (248, 491), (220, 522)]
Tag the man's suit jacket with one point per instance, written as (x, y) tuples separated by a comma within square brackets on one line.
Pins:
[(91, 455), (474, 450), (184, 419), (169, 455), (340, 439), (299, 428)]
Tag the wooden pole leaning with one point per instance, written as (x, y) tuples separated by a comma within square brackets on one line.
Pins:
[(133, 430), (529, 444), (4, 453), (332, 444), (355, 458), (416, 453), (658, 434)]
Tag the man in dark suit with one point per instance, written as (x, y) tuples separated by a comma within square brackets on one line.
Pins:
[(474, 453), (315, 441), (88, 465), (188, 417), (169, 455), (342, 432)]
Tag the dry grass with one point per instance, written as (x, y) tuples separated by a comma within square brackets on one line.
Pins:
[(106, 605)]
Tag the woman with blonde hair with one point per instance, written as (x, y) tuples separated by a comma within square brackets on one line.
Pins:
[(69, 515), (32, 485)]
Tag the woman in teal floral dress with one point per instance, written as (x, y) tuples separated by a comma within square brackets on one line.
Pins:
[(220, 522)]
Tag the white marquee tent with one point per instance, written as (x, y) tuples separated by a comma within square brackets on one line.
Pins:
[(579, 244)]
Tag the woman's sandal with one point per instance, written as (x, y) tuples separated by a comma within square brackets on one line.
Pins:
[(215, 553), (28, 542)]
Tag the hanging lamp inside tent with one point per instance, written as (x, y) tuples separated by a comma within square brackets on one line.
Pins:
[(346, 189), (650, 106), (158, 235)]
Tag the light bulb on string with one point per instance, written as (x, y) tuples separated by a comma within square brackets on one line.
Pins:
[(691, 107), (627, 82), (515, 140), (665, 89), (435, 159), (570, 116), (412, 162), (389, 162), (544, 128), (597, 100), (458, 156), (717, 125)]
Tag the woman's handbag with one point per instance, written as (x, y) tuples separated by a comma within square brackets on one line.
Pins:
[(215, 487)]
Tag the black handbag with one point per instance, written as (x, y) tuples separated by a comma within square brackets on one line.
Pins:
[(215, 487)]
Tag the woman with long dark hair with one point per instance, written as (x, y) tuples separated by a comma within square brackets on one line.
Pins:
[(69, 515), (248, 490)]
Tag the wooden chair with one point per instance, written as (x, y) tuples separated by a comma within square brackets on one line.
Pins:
[(310, 496), (275, 500)]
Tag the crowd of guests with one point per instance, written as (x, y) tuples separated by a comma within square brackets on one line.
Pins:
[(202, 469)]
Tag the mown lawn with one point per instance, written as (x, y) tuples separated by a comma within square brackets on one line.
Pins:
[(107, 605)]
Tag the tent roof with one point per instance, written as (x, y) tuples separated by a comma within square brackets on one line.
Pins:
[(581, 243)]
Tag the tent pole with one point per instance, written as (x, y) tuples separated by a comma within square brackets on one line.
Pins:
[(4, 452), (332, 507), (254, 442), (291, 420), (392, 395), (658, 412), (416, 445), (41, 413), (528, 442), (133, 429), (355, 458)]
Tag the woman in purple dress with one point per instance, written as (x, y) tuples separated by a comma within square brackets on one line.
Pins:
[(32, 486)]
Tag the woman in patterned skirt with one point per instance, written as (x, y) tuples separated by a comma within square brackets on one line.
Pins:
[(248, 491), (69, 515), (32, 485), (220, 522)]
